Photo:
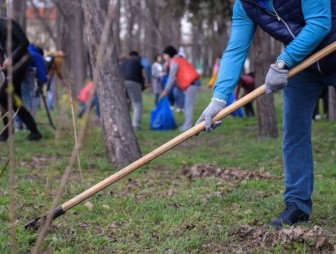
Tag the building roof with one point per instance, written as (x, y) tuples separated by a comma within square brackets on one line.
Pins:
[(48, 13)]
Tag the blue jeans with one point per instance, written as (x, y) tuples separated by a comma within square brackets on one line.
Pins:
[(27, 95), (179, 97), (135, 94), (51, 93), (95, 103), (299, 100)]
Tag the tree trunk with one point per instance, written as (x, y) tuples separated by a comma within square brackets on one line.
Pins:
[(116, 24), (121, 143), (71, 34), (130, 26), (3, 8), (261, 59), (150, 40), (19, 12), (332, 104)]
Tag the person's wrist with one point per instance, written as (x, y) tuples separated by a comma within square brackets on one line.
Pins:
[(281, 65), (219, 102)]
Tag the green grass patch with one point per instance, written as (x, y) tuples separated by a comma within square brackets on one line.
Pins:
[(156, 209)]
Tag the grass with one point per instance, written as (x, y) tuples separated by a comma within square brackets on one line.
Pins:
[(156, 209)]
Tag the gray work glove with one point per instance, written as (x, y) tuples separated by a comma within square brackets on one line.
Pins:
[(213, 108), (276, 79)]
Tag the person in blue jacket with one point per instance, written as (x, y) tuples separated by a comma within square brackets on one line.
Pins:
[(36, 70), (304, 27), (147, 69)]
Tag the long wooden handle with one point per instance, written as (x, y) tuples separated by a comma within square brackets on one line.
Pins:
[(188, 134)]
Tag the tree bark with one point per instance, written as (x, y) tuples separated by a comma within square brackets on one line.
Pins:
[(130, 25), (332, 104), (19, 12), (71, 34), (121, 143), (3, 8), (150, 40), (116, 24), (261, 59)]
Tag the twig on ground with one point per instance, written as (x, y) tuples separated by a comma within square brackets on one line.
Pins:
[(4, 168)]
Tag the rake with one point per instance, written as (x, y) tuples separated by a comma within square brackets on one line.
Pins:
[(60, 210)]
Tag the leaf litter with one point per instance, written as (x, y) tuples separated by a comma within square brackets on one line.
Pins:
[(263, 237), (202, 170)]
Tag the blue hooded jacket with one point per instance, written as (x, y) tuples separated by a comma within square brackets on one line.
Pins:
[(310, 20), (38, 62)]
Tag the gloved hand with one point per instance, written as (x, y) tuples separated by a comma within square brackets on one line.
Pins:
[(213, 108), (276, 79)]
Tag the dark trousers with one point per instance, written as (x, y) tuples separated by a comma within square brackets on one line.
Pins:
[(248, 108), (23, 113)]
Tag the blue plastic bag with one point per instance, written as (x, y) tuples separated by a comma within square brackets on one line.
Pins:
[(162, 117), (239, 112)]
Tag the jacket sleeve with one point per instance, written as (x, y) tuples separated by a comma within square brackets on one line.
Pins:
[(155, 71), (317, 15), (173, 68), (20, 40), (231, 64), (41, 70), (147, 68)]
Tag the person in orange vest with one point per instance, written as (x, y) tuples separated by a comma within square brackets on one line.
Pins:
[(186, 77)]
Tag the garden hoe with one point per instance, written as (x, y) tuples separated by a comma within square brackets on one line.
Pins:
[(60, 210)]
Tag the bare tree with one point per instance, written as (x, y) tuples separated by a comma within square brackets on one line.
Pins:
[(116, 23), (19, 12), (3, 8), (210, 20), (261, 59), (121, 143), (70, 34), (332, 104)]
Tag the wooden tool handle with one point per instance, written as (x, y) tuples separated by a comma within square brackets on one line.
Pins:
[(189, 133)]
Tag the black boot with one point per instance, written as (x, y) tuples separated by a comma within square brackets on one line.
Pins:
[(290, 216), (34, 135), (3, 136)]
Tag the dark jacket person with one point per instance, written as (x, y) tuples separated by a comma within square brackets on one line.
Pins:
[(20, 61)]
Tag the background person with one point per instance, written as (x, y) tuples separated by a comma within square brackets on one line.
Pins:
[(215, 69), (187, 78), (132, 71), (157, 74), (83, 97), (246, 82), (19, 54), (54, 61), (36, 72)]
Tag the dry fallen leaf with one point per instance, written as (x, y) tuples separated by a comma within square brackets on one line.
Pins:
[(171, 192), (228, 174), (261, 237), (89, 205), (106, 207)]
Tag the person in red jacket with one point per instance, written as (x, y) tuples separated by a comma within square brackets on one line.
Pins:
[(246, 82), (187, 78), (83, 97)]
